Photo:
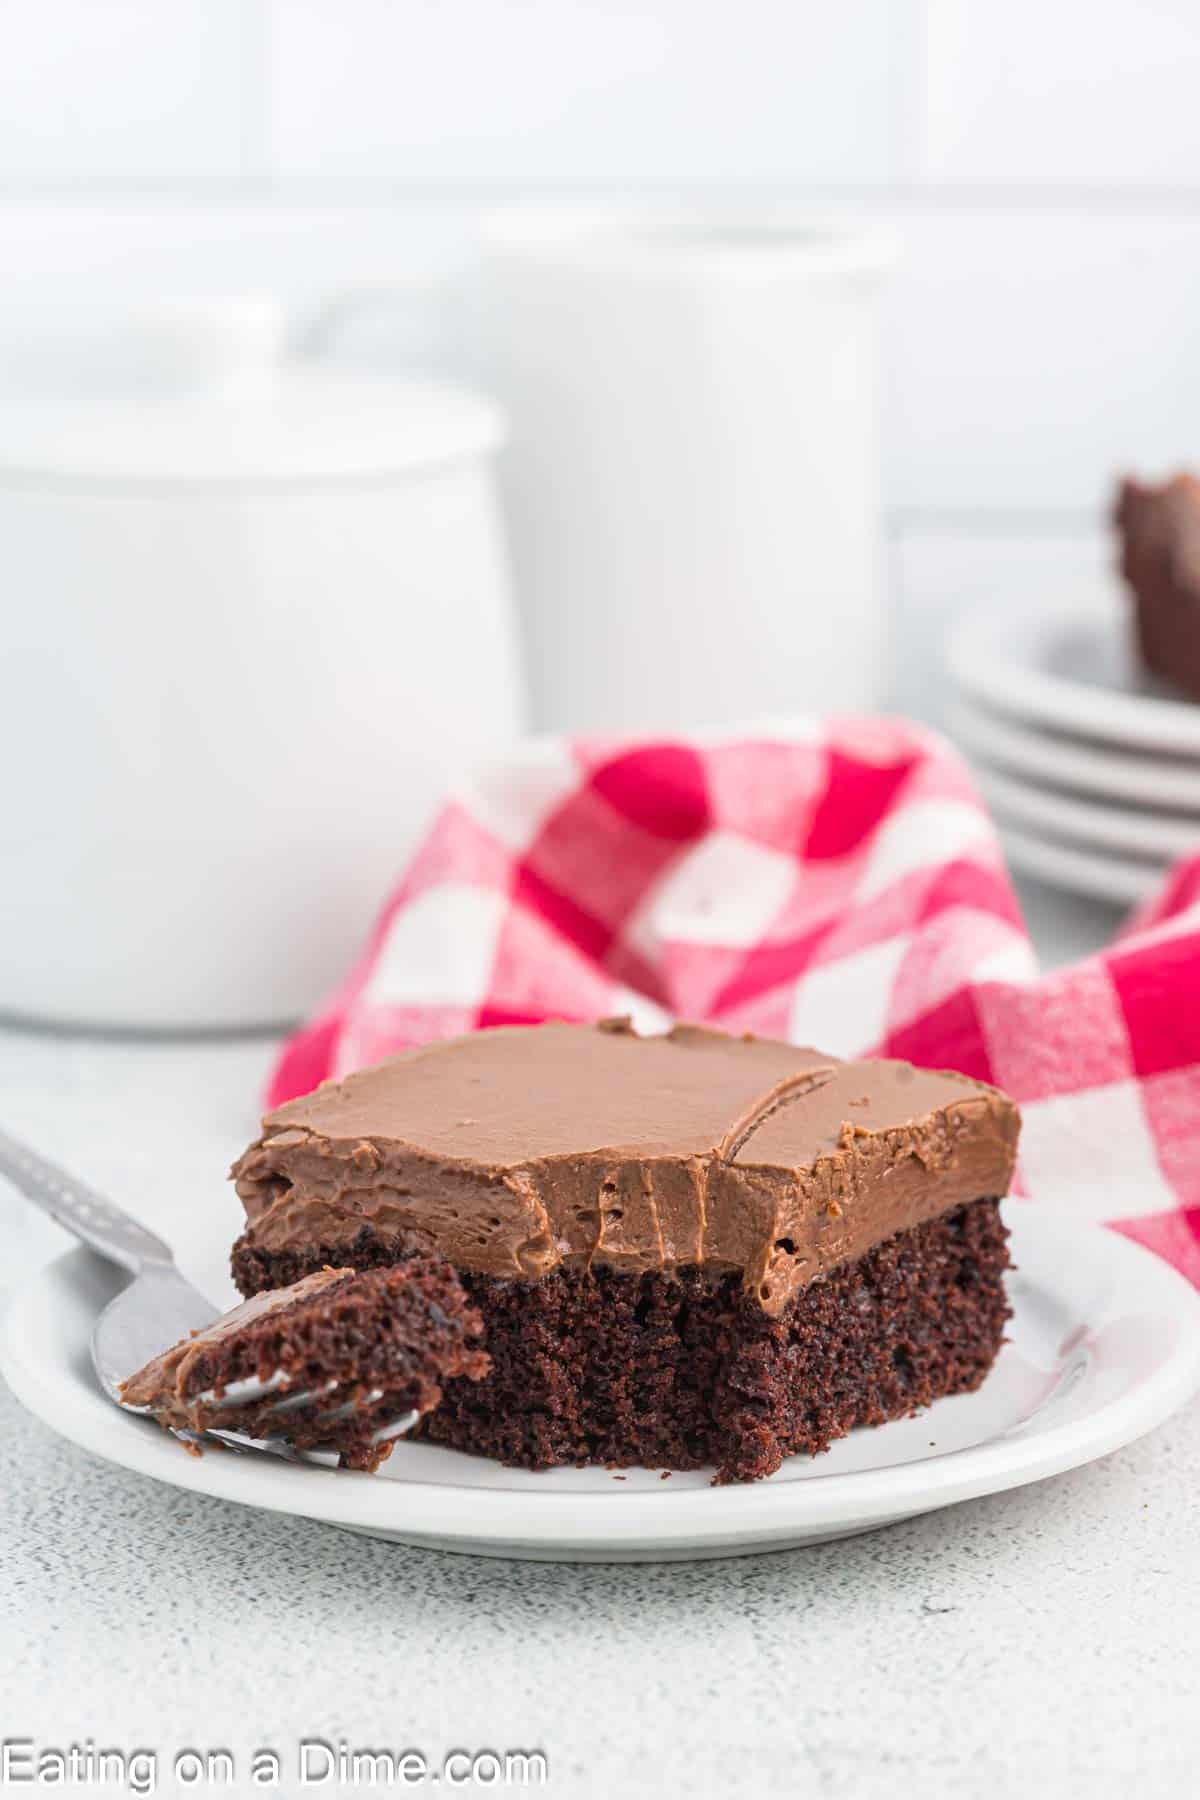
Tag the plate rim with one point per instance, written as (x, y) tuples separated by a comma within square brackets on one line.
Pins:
[(1087, 822), (1124, 881), (980, 659), (484, 1519), (1096, 772)]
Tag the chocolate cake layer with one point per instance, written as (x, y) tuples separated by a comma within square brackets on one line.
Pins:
[(376, 1347), (684, 1371), (523, 1151), (1159, 530)]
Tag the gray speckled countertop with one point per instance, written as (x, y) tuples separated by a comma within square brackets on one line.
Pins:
[(1040, 1642)]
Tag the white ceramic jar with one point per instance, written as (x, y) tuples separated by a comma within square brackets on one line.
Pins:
[(692, 473), (255, 614)]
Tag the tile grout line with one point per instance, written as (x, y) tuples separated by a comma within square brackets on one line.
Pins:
[(255, 91), (1050, 523), (260, 185)]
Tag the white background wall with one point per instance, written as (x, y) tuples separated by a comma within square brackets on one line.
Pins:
[(1040, 157)]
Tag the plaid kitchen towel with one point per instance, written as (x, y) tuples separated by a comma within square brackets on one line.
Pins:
[(838, 883)]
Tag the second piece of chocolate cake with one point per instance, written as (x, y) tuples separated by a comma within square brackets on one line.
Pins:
[(689, 1249), (1159, 530)]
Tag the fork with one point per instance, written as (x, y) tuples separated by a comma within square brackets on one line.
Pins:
[(158, 1307)]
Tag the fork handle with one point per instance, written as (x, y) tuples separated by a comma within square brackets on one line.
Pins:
[(96, 1221)]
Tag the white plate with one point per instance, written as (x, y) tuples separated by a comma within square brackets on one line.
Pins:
[(1089, 824), (1123, 880), (1105, 1343), (1073, 671), (1098, 769)]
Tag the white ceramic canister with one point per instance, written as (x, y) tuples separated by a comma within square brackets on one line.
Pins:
[(692, 472), (255, 615)]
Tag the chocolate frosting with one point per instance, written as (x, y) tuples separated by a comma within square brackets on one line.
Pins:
[(516, 1149)]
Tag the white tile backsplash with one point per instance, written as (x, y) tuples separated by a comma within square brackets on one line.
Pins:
[(1042, 162), (1032, 355), (938, 574), (554, 92), (115, 250), (397, 283), (142, 90), (1081, 93)]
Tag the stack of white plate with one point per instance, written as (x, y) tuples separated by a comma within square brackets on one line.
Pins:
[(1091, 769)]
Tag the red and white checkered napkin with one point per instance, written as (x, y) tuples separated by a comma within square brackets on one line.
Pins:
[(838, 883)]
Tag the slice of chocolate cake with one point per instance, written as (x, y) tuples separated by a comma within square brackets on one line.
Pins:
[(339, 1359), (1159, 531), (690, 1249)]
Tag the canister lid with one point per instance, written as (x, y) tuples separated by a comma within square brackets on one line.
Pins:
[(204, 395)]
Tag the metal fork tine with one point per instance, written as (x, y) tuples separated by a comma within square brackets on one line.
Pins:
[(157, 1308), (215, 1438), (253, 1388)]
